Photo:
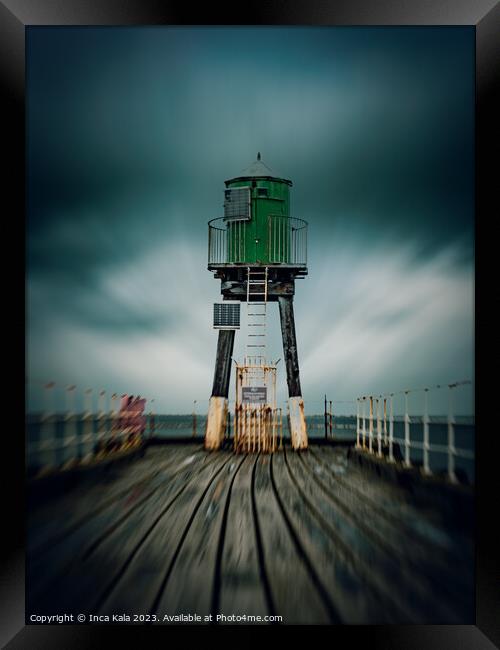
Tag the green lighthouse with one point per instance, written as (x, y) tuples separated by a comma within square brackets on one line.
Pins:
[(257, 211), (257, 250)]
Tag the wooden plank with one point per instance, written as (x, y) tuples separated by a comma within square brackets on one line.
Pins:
[(348, 588), (395, 515), (190, 585), (239, 583), (293, 592), (178, 534), (403, 592), (142, 582), (420, 530), (109, 495), (426, 552), (56, 519), (335, 458), (391, 497), (46, 571)]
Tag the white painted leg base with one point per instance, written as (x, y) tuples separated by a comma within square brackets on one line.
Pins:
[(298, 429), (216, 422)]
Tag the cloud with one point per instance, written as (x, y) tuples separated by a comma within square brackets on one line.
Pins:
[(376, 319), (144, 327), (131, 135), (367, 321)]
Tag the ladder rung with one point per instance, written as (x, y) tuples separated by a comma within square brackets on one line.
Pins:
[(257, 289)]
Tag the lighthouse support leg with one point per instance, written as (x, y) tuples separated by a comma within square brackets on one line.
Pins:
[(298, 431), (217, 407)]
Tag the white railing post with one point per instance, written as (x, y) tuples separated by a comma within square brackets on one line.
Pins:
[(379, 429), (114, 417), (358, 429), (451, 438), (151, 418), (47, 437), (427, 469), (70, 432), (385, 421), (87, 427), (370, 444), (101, 428), (391, 430), (407, 432), (364, 423), (281, 429)]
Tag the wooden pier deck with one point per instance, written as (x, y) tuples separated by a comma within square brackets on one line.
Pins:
[(311, 537)]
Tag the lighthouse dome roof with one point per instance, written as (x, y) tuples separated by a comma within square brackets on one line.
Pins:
[(258, 169)]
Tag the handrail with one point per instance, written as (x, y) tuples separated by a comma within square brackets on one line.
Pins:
[(229, 240), (372, 411), (58, 440)]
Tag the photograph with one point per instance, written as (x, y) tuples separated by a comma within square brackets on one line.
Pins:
[(252, 323), (250, 341)]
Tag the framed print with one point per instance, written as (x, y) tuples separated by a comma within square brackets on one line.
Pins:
[(253, 331)]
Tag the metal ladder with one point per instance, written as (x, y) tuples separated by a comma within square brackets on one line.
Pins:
[(256, 315)]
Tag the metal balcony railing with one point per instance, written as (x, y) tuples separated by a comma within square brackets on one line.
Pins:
[(232, 241), (218, 239), (287, 240)]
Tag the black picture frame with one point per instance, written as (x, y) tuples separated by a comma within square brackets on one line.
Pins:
[(15, 17)]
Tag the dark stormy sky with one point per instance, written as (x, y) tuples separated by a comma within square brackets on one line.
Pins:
[(131, 133)]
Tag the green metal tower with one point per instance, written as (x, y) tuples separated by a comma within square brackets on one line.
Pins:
[(257, 250)]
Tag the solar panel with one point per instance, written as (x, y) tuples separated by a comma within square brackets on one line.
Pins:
[(227, 315), (237, 204)]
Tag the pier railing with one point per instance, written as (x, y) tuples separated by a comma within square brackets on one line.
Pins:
[(403, 438), (232, 241), (61, 438)]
